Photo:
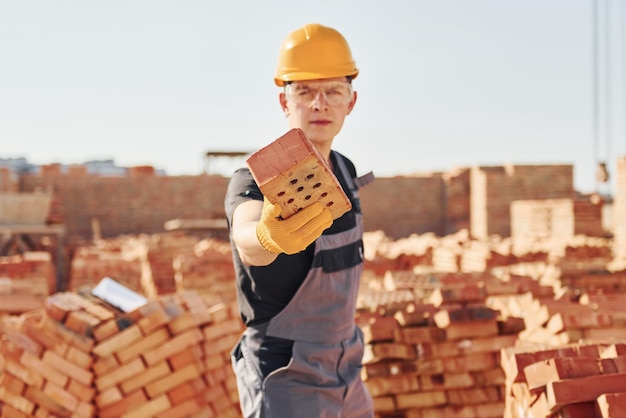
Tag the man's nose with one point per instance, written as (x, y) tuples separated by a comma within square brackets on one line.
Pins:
[(320, 100)]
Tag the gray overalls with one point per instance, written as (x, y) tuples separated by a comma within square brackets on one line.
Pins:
[(322, 380)]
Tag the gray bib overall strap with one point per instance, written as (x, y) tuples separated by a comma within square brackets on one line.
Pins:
[(322, 380)]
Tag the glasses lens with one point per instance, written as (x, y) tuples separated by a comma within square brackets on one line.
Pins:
[(335, 93)]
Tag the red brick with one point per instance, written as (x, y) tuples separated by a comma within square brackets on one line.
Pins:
[(292, 173)]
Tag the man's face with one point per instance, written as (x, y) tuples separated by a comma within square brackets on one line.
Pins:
[(318, 107)]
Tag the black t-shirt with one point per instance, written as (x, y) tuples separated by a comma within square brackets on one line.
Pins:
[(264, 291)]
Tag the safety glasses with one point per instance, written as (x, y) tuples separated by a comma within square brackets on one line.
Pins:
[(305, 93)]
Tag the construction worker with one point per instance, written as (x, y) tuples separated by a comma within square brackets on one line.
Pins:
[(298, 278)]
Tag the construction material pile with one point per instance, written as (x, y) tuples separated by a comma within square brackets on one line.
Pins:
[(442, 318), (80, 356)]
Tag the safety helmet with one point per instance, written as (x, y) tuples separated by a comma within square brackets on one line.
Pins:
[(312, 52)]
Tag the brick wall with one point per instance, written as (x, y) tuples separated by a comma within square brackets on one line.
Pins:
[(619, 209), (129, 205), (493, 189), (8, 180), (457, 195), (476, 198), (400, 206)]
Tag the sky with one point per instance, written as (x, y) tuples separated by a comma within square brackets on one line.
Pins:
[(443, 84)]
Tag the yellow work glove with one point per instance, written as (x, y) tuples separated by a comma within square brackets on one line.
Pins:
[(295, 233)]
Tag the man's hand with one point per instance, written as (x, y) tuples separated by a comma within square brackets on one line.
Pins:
[(295, 233)]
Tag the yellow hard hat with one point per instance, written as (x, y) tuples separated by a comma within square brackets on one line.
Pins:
[(312, 52)]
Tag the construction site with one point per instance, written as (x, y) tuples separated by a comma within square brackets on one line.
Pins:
[(491, 292)]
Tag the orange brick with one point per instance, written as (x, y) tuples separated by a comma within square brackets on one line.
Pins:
[(130, 402), (81, 342), (25, 374), (540, 373), (60, 396), (47, 340), (48, 373), (222, 329), (182, 410), (380, 329), (149, 342), (470, 363), (188, 320), (185, 357), (104, 365), (84, 410), (120, 374), (81, 322), (291, 173), (463, 294), (473, 396), (68, 368), (155, 319), (382, 351), (16, 401), (173, 346), (108, 396), (105, 330), (394, 385), (146, 377), (426, 367), (79, 358), (420, 399), (150, 408), (471, 329), (187, 390), (449, 315), (583, 389), (415, 335), (11, 383), (578, 410), (446, 381), (118, 341), (176, 378), (9, 412), (611, 405), (82, 392), (44, 401)]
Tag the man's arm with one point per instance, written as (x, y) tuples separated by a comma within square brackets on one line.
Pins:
[(245, 219)]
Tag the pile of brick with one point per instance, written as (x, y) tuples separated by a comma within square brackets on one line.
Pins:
[(80, 357), (208, 270), (437, 314), (586, 380), (121, 258), (25, 281), (439, 354)]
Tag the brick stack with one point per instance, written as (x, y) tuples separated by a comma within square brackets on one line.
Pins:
[(25, 281), (79, 357), (209, 270), (120, 258), (162, 250), (586, 380), (143, 263), (46, 360), (439, 358)]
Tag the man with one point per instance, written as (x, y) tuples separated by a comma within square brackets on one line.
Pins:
[(297, 279)]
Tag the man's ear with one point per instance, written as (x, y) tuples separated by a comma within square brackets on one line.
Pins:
[(283, 103), (352, 103)]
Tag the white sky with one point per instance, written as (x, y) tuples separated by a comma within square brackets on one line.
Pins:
[(443, 83)]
